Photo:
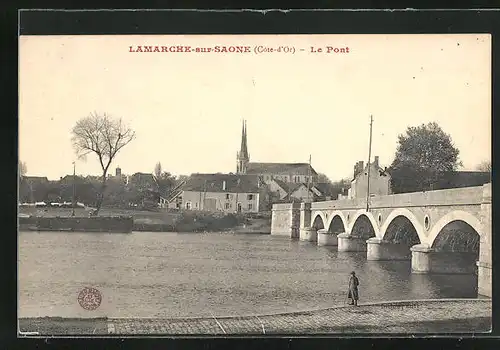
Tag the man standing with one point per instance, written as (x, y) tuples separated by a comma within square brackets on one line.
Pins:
[(353, 289)]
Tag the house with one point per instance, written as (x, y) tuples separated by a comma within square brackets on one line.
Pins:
[(380, 180), (220, 192), (286, 172)]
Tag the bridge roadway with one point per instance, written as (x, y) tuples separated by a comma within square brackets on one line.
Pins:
[(443, 231)]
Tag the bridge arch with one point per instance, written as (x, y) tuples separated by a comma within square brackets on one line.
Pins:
[(406, 214), (457, 215), (318, 221), (369, 216), (336, 214)]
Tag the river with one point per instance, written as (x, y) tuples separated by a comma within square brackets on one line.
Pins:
[(155, 274)]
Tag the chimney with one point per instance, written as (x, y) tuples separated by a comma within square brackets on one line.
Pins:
[(375, 162), (224, 185)]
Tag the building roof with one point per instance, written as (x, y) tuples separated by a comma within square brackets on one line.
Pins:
[(285, 186), (144, 175), (36, 178), (324, 188), (379, 170), (280, 168), (290, 187), (215, 182)]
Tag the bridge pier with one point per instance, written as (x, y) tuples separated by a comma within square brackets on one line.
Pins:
[(426, 260), (421, 258), (325, 238), (348, 243), (484, 279), (378, 249), (308, 234)]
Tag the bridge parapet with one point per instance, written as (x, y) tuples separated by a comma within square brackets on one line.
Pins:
[(455, 196)]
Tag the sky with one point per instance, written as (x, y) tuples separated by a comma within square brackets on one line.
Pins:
[(187, 108)]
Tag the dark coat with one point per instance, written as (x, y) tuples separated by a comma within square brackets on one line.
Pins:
[(353, 288)]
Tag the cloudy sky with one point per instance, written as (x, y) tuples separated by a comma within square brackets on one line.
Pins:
[(187, 108)]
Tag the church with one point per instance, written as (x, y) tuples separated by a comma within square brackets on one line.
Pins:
[(285, 172)]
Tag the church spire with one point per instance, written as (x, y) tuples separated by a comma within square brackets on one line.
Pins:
[(243, 158), (244, 149)]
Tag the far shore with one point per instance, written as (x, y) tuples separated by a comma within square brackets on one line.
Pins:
[(156, 220)]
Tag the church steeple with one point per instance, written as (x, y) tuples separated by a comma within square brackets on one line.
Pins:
[(242, 157)]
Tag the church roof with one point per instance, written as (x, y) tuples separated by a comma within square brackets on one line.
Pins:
[(280, 168), (215, 183)]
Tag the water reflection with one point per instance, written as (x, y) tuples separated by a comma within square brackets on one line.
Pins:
[(174, 275)]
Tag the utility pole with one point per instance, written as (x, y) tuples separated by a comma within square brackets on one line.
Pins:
[(204, 195), (369, 165), (74, 179), (309, 181)]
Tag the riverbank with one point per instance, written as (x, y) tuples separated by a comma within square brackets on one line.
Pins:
[(437, 316), (162, 221)]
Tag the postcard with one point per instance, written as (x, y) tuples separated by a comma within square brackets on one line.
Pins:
[(254, 184)]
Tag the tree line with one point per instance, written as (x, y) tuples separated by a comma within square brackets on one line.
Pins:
[(117, 193)]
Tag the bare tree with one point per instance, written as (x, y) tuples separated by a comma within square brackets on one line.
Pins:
[(104, 136), (484, 166)]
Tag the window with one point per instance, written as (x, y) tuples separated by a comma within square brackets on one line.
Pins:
[(227, 205), (188, 205), (196, 205), (250, 206), (250, 197), (227, 196)]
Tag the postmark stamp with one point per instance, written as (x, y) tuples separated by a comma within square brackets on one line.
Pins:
[(89, 298)]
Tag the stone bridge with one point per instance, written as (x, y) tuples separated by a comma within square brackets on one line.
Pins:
[(443, 231)]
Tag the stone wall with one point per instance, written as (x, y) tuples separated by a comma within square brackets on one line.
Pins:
[(122, 224), (285, 220), (456, 196)]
